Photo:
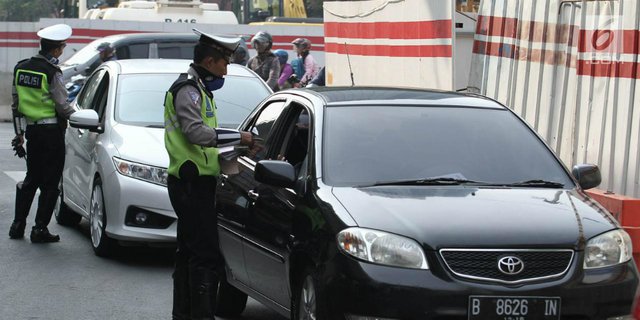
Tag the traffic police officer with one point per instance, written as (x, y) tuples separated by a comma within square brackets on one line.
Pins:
[(191, 140), (40, 102)]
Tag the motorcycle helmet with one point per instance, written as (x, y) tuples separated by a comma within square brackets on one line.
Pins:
[(282, 55), (302, 44), (260, 39)]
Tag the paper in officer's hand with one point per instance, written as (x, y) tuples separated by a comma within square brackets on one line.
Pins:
[(228, 158)]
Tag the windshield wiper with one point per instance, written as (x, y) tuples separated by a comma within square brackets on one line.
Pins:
[(536, 183), (421, 182), (154, 126)]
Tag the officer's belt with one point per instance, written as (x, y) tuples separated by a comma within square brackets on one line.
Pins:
[(43, 121)]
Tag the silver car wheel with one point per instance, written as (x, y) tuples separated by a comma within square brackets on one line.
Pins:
[(97, 215), (56, 209), (308, 300)]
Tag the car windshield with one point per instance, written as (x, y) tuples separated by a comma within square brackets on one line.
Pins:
[(140, 99), (369, 145), (83, 55)]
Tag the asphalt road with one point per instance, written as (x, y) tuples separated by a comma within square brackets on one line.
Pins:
[(66, 280)]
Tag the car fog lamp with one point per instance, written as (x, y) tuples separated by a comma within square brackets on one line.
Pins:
[(382, 248), (608, 249), (141, 218)]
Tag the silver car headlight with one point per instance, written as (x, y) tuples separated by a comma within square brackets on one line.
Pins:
[(608, 249), (382, 248), (140, 171)]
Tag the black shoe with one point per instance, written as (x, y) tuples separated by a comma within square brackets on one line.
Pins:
[(17, 230), (42, 235)]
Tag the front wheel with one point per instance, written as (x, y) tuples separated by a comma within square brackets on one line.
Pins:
[(308, 303), (103, 246)]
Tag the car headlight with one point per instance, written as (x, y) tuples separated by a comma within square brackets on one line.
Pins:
[(140, 171), (608, 249), (382, 248)]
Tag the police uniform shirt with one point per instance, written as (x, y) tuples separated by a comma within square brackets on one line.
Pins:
[(57, 91), (188, 106)]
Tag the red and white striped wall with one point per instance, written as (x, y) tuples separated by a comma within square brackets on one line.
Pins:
[(571, 70), (389, 42)]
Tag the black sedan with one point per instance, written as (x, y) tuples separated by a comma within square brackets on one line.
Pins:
[(383, 203)]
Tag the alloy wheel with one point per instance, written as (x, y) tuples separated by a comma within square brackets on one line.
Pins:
[(308, 300), (97, 216)]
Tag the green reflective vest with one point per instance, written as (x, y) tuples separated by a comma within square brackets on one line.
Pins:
[(34, 99), (179, 148)]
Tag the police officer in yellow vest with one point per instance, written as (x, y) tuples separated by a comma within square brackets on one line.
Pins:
[(192, 139), (40, 104)]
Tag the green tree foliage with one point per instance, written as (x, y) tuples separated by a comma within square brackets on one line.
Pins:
[(29, 10)]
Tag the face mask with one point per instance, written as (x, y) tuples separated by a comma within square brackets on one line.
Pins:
[(213, 83)]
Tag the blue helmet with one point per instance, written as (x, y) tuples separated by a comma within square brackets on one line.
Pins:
[(282, 55)]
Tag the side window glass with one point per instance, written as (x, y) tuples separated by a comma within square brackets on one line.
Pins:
[(176, 50), (262, 127), (100, 101), (89, 90), (138, 51), (294, 145)]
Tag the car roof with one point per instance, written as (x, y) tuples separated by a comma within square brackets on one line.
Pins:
[(158, 66), (150, 37), (351, 96)]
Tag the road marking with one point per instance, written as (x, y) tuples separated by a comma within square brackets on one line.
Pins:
[(17, 176)]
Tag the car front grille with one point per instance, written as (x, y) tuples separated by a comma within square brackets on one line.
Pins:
[(486, 265)]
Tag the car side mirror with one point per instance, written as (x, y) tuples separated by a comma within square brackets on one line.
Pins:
[(588, 175), (276, 173), (85, 119)]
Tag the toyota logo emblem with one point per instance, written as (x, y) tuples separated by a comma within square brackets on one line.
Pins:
[(510, 265)]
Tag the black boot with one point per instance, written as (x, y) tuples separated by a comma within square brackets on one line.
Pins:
[(204, 289), (46, 203), (42, 235), (17, 229), (24, 198)]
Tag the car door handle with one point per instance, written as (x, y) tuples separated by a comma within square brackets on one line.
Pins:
[(253, 195), (80, 132)]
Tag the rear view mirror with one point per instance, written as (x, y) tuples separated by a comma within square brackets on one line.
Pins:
[(588, 175), (85, 119), (275, 173)]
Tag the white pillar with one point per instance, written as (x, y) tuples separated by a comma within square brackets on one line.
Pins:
[(82, 8)]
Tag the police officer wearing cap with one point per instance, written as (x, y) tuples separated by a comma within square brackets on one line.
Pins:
[(191, 140), (40, 104)]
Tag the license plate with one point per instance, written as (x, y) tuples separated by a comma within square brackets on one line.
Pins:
[(514, 308)]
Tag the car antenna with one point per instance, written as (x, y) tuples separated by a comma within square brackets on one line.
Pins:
[(346, 49)]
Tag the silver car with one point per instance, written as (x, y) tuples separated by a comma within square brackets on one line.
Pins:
[(115, 166)]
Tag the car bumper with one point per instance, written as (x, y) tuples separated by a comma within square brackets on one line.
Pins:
[(122, 193), (365, 289)]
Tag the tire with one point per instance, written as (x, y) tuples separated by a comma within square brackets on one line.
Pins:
[(64, 215), (103, 246), (230, 301), (309, 303)]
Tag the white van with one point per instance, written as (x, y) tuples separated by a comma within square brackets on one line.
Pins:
[(167, 11)]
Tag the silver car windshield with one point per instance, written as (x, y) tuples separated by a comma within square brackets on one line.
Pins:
[(83, 55), (140, 99), (372, 145)]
